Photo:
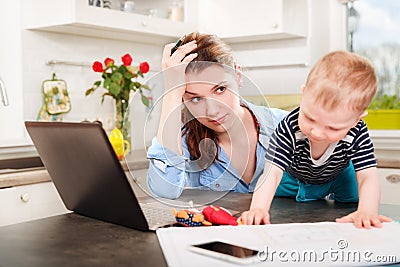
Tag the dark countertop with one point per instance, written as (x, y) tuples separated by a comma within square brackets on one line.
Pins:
[(74, 240)]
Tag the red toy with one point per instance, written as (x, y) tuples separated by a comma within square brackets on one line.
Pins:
[(218, 215)]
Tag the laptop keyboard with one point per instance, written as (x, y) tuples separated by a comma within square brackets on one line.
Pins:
[(157, 215)]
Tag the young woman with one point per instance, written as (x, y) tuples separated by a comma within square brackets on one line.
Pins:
[(208, 137)]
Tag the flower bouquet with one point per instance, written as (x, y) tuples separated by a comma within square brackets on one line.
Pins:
[(119, 82)]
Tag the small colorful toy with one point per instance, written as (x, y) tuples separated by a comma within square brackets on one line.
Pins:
[(190, 218), (218, 215), (211, 215)]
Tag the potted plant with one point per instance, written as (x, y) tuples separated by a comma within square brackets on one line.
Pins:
[(384, 113), (119, 82)]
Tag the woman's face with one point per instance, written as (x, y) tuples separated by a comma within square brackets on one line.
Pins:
[(211, 96)]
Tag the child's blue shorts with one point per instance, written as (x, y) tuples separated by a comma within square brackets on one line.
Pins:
[(343, 189)]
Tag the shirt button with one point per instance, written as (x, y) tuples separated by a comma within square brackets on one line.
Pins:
[(217, 185)]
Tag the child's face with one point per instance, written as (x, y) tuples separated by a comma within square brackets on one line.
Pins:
[(320, 124), (211, 97)]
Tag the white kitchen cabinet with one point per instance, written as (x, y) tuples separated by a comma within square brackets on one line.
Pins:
[(29, 202), (12, 129), (254, 20), (390, 185), (77, 17)]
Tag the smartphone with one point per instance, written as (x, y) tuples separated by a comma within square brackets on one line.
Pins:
[(226, 251)]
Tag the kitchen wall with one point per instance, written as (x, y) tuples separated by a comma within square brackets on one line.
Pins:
[(45, 46), (325, 34), (276, 71)]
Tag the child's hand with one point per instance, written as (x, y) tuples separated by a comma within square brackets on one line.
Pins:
[(255, 216), (364, 220)]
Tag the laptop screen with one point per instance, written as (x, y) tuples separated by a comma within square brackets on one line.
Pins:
[(86, 172)]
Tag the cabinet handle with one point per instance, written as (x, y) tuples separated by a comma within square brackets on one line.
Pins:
[(144, 23), (393, 178), (25, 197)]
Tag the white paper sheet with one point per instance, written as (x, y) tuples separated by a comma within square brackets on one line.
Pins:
[(301, 244)]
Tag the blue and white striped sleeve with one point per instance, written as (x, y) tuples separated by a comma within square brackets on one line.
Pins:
[(363, 150), (280, 149)]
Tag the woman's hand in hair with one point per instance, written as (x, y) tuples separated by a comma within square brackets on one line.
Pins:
[(173, 72), (174, 66), (181, 55)]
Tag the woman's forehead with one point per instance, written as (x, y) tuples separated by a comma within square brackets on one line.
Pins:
[(210, 75)]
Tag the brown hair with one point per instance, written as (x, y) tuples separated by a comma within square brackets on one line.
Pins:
[(343, 78), (210, 48)]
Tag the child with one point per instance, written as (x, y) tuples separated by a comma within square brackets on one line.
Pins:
[(318, 143)]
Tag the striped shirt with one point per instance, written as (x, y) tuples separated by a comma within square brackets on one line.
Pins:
[(289, 149)]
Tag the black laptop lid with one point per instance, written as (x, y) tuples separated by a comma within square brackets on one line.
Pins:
[(86, 172)]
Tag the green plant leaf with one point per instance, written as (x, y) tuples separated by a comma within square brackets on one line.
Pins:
[(89, 91), (122, 69), (128, 75), (97, 83), (145, 86), (115, 88), (145, 101), (116, 77), (106, 83), (385, 102)]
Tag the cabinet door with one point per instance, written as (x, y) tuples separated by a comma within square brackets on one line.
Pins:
[(29, 202), (77, 17), (390, 185), (252, 20), (12, 129)]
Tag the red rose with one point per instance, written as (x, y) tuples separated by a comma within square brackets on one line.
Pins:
[(144, 67), (126, 59), (108, 61), (97, 66)]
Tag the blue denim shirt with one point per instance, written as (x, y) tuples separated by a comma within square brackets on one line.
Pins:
[(170, 173)]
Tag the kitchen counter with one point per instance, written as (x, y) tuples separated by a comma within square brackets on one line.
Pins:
[(15, 177), (388, 158)]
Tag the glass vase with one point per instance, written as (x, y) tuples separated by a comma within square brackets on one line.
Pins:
[(122, 119)]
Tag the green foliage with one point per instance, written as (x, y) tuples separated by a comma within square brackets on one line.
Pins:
[(119, 82), (385, 102)]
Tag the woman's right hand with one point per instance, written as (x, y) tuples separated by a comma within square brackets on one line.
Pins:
[(181, 55), (255, 216), (173, 67), (174, 87)]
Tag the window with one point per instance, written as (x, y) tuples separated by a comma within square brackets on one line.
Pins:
[(374, 32)]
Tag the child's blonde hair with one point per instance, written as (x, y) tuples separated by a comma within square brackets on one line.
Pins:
[(342, 79)]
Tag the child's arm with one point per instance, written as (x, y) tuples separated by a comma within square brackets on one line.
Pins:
[(263, 195), (369, 191)]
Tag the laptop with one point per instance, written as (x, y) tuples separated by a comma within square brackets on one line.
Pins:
[(88, 175)]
